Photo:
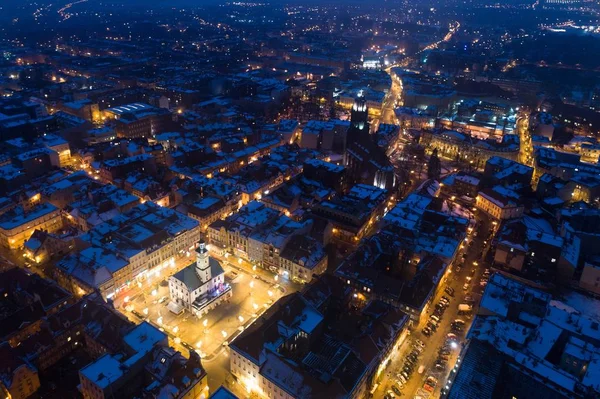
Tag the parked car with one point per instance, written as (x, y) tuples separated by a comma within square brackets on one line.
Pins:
[(440, 366), (389, 395), (396, 390), (434, 317), (431, 380), (427, 331), (445, 298), (420, 343)]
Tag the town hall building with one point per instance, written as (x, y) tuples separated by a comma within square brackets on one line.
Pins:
[(199, 287)]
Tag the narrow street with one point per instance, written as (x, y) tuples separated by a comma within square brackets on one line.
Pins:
[(526, 147), (472, 270)]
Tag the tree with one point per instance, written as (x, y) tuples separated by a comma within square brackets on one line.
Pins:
[(434, 166)]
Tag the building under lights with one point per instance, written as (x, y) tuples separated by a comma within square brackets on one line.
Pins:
[(146, 239), (199, 287), (525, 344), (364, 160), (326, 342)]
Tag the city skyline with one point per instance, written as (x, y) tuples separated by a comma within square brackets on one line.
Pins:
[(300, 199)]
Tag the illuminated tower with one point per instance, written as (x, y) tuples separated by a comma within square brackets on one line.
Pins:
[(202, 264), (359, 116)]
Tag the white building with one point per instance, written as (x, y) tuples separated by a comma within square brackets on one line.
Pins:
[(199, 287)]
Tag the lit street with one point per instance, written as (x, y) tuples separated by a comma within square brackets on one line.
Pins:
[(429, 357)]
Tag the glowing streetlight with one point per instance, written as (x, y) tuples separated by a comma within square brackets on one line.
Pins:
[(154, 293), (241, 318), (145, 311), (270, 293), (199, 344), (251, 284), (205, 323), (224, 334), (159, 321), (175, 329)]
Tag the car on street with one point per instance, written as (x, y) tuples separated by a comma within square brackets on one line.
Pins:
[(420, 343), (396, 390), (449, 291), (440, 366), (427, 331), (466, 287), (389, 395), (405, 375), (431, 380)]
